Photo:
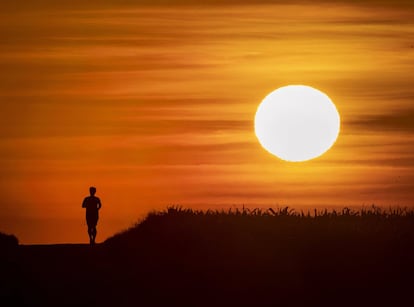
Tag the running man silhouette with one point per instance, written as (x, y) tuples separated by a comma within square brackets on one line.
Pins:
[(92, 205)]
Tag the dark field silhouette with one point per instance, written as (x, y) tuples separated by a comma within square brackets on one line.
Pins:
[(8, 241), (182, 257)]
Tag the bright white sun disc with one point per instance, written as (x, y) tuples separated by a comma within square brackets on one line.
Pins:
[(297, 123)]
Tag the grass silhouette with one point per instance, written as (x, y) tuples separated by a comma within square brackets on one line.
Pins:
[(282, 227), (238, 257)]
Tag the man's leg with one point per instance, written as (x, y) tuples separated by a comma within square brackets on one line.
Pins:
[(94, 234), (90, 233)]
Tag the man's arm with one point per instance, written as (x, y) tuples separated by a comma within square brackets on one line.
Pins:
[(99, 203), (84, 203)]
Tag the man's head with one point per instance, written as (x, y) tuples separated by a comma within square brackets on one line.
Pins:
[(92, 190)]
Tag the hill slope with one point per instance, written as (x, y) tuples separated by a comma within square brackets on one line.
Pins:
[(272, 256)]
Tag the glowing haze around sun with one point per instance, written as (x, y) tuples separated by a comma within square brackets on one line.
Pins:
[(297, 123)]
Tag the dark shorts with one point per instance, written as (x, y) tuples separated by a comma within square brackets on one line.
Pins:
[(92, 219)]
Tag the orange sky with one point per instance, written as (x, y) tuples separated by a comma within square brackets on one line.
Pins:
[(154, 105)]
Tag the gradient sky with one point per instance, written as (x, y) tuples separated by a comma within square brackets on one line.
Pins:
[(154, 105)]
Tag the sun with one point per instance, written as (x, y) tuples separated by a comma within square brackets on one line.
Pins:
[(297, 123)]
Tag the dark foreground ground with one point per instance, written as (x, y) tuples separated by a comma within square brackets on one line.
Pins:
[(185, 258)]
